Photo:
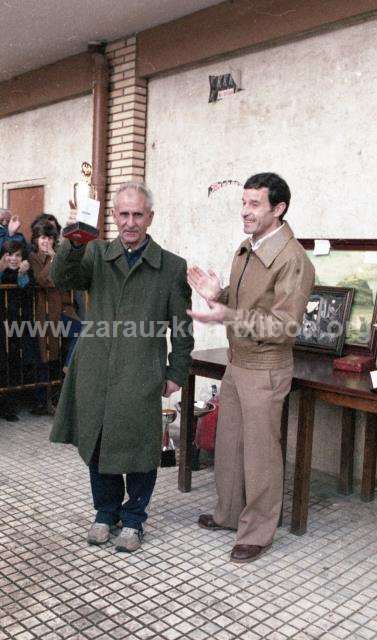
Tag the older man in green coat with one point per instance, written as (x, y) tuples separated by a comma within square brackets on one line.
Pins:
[(110, 405)]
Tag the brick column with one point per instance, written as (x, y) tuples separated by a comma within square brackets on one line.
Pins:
[(127, 122)]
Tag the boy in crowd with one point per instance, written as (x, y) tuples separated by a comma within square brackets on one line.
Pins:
[(9, 227)]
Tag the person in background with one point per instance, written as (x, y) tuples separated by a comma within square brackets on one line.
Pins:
[(14, 265), (9, 227), (46, 217), (52, 305), (79, 301), (16, 352)]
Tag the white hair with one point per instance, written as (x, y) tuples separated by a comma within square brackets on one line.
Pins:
[(137, 186)]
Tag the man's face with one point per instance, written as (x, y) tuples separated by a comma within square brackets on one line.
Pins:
[(13, 259), (5, 217), (259, 217), (132, 218)]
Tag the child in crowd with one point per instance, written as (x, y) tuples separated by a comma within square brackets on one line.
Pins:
[(9, 227), (52, 305), (16, 352), (14, 266)]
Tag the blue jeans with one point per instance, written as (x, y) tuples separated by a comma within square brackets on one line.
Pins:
[(108, 494)]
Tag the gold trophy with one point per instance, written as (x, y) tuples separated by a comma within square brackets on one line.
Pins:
[(84, 198)]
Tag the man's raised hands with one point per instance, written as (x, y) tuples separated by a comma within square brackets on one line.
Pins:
[(207, 285)]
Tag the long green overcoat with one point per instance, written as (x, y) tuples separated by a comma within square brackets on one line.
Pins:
[(119, 367)]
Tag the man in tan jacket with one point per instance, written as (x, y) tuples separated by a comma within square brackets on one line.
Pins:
[(262, 308)]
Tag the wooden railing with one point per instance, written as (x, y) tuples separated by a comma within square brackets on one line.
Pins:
[(21, 367)]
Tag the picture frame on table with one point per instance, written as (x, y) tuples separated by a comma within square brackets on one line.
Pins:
[(352, 263), (325, 320)]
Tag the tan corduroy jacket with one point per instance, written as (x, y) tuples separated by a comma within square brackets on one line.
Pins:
[(269, 290)]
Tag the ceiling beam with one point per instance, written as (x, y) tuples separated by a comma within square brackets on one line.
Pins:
[(68, 78), (237, 25)]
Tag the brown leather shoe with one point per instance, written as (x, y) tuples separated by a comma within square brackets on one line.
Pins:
[(206, 521), (248, 552)]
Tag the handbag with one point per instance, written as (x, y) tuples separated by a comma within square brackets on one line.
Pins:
[(205, 435)]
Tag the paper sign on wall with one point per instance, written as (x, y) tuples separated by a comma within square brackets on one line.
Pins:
[(373, 376), (321, 247), (370, 257)]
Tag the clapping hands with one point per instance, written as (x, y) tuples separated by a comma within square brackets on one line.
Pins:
[(24, 267), (207, 285)]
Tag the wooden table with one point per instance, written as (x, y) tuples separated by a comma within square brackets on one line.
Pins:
[(315, 379)]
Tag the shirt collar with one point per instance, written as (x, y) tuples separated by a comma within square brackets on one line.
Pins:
[(268, 251), (138, 251), (152, 252), (257, 244)]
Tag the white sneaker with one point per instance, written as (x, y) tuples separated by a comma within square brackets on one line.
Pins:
[(99, 533), (128, 540)]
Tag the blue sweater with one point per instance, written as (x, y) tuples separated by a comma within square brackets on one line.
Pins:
[(22, 278)]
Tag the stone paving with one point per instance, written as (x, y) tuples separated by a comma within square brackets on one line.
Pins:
[(181, 584)]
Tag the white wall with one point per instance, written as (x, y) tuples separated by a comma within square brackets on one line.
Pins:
[(48, 144), (307, 111)]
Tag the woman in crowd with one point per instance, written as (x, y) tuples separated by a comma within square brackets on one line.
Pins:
[(44, 218), (78, 296), (52, 305)]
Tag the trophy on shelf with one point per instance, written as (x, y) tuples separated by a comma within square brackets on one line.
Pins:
[(84, 198)]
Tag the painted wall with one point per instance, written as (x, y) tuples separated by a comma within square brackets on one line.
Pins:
[(47, 145), (306, 110)]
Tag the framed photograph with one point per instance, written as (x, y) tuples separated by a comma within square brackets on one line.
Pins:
[(352, 263), (324, 324)]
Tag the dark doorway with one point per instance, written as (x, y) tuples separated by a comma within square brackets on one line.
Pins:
[(27, 203)]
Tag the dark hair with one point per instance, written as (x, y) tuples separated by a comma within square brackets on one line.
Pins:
[(43, 229), (278, 190), (12, 246), (46, 217)]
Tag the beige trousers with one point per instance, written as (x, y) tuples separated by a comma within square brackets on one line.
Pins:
[(248, 458)]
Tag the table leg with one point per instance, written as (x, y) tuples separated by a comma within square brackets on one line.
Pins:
[(347, 451), (284, 435), (368, 482), (185, 438), (303, 462)]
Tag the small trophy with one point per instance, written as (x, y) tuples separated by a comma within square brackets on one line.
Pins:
[(85, 228), (168, 450)]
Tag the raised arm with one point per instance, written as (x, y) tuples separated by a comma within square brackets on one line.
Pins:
[(72, 267)]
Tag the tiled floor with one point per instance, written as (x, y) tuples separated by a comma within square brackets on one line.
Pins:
[(181, 585)]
